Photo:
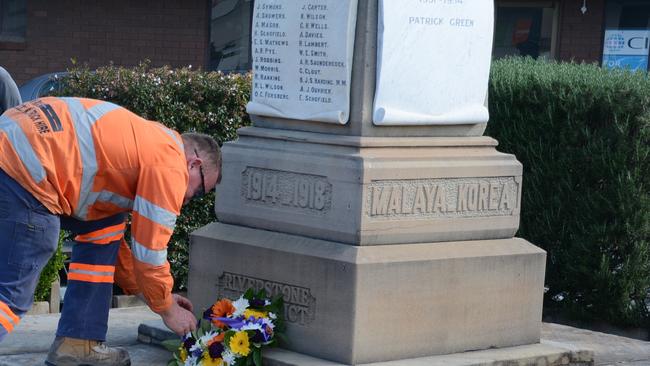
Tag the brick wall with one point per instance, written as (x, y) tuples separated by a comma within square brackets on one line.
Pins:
[(581, 36), (167, 32)]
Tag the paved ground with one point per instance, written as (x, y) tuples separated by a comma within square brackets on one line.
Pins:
[(28, 345)]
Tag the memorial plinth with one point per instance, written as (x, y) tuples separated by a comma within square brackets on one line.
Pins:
[(370, 191), (365, 193), (362, 304)]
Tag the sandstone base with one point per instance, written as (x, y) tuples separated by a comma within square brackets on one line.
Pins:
[(364, 304), (540, 354)]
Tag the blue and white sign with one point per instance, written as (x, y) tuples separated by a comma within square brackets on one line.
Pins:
[(626, 49)]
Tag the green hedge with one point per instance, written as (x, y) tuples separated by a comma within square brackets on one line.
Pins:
[(582, 134), (182, 99)]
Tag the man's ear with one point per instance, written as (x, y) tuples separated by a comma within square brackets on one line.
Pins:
[(198, 162), (194, 162)]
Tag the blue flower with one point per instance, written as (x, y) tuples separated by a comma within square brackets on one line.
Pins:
[(257, 303), (196, 351), (188, 342), (215, 349), (234, 323)]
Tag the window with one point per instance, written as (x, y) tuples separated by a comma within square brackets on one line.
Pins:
[(525, 28), (13, 14), (627, 34), (230, 35), (627, 14)]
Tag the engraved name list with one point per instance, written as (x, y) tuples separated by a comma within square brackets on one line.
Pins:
[(302, 56)]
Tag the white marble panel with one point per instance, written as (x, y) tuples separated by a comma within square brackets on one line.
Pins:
[(302, 59), (433, 61)]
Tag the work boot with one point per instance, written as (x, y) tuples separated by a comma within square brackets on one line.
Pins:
[(77, 352)]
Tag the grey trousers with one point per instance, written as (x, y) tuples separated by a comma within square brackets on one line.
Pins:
[(9, 94)]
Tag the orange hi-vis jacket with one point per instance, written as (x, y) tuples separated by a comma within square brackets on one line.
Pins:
[(91, 159)]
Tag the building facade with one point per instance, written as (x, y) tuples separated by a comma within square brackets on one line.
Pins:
[(614, 33), (40, 36)]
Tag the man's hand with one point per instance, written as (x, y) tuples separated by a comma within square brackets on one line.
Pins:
[(183, 302), (178, 318)]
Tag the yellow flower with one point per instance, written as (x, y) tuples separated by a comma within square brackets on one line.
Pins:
[(254, 313), (239, 344), (209, 361), (183, 354)]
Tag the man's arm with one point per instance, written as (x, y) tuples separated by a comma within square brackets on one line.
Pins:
[(157, 203), (125, 278), (124, 272)]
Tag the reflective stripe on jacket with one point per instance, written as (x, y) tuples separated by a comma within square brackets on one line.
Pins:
[(91, 159)]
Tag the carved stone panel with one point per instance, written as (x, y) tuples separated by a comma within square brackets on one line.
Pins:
[(442, 198), (299, 303)]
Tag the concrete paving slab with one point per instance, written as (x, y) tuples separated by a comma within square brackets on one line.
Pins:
[(30, 341), (35, 333), (141, 355), (609, 349)]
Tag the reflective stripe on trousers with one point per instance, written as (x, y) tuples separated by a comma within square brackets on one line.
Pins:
[(90, 278)]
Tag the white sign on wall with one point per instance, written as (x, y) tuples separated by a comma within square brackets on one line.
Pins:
[(626, 49), (302, 59), (433, 61)]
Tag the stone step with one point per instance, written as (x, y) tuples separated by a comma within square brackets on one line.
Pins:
[(547, 353)]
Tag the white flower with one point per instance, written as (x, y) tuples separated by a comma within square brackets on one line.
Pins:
[(207, 337), (196, 347), (191, 361), (272, 316), (268, 323), (267, 302), (252, 326), (228, 357), (240, 306)]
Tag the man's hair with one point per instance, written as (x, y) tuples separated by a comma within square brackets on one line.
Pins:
[(206, 147)]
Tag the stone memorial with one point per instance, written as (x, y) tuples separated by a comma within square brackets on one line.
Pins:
[(365, 193)]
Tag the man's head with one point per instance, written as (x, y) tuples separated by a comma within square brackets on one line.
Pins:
[(203, 158)]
